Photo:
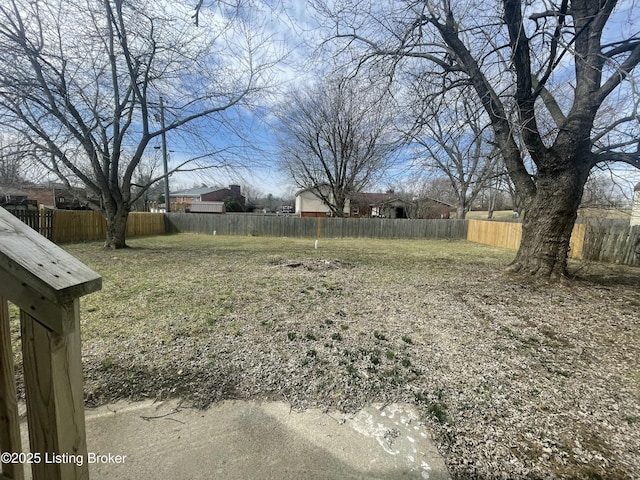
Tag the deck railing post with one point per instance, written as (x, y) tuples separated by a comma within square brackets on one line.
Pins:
[(53, 385)]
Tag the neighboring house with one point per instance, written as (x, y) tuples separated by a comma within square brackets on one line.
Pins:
[(51, 195), (191, 195), (43, 194), (56, 195), (635, 210), (373, 205), (309, 203), (11, 195), (386, 205), (431, 208), (231, 197), (15, 199)]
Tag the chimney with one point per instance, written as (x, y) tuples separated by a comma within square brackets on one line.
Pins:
[(235, 191)]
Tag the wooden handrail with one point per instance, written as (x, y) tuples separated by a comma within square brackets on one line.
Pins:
[(45, 282)]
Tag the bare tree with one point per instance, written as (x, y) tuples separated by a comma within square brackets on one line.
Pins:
[(17, 163), (147, 170), (336, 138), (555, 78), (83, 81), (11, 171), (605, 191), (454, 139)]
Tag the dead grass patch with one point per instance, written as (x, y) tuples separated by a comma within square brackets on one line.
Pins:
[(508, 374)]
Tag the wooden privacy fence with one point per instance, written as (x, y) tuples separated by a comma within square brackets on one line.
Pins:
[(509, 234), (496, 234), (613, 243), (65, 226), (290, 226), (85, 225), (45, 283)]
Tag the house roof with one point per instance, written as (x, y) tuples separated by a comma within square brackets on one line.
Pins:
[(221, 193), (227, 192), (374, 198), (51, 185), (313, 189), (12, 191), (193, 192), (359, 198)]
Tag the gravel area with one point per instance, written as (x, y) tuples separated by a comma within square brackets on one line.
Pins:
[(516, 379)]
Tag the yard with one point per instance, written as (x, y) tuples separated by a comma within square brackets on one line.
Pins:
[(514, 379)]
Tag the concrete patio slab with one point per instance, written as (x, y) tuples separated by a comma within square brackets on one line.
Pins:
[(257, 440)]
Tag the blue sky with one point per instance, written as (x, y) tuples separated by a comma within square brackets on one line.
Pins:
[(246, 140), (292, 27)]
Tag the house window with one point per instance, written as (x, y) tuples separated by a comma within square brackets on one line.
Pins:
[(355, 212)]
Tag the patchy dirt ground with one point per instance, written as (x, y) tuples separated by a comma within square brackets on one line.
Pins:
[(516, 379)]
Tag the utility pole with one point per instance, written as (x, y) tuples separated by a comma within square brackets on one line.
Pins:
[(167, 200)]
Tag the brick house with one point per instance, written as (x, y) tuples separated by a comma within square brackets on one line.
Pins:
[(56, 195), (232, 198)]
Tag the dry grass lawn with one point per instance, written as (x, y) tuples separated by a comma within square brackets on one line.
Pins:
[(516, 379)]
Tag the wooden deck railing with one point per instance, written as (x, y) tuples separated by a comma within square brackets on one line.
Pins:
[(45, 283)]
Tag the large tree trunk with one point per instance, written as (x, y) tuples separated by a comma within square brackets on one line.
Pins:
[(548, 224), (116, 227)]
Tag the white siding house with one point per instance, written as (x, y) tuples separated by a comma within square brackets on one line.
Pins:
[(309, 204)]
